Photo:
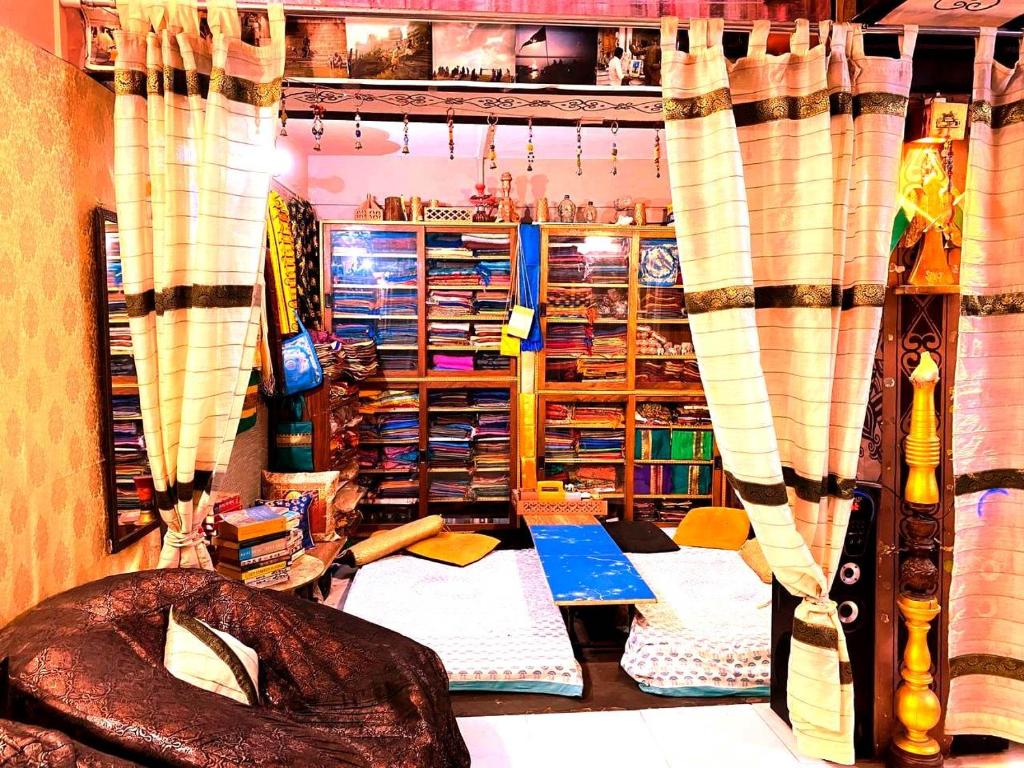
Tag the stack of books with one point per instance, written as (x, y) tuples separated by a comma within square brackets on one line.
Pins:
[(254, 546), (218, 504)]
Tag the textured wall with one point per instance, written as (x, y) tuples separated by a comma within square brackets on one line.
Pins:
[(56, 160)]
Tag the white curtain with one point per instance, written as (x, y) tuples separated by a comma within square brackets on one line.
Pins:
[(986, 597), (194, 130), (783, 173)]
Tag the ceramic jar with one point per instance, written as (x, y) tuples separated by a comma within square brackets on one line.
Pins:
[(567, 211)]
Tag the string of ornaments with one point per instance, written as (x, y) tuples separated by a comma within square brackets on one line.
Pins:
[(492, 153), (657, 153), (530, 157), (358, 129), (405, 134), (579, 147), (450, 115)]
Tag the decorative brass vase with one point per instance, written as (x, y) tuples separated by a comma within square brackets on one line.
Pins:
[(393, 210), (543, 211)]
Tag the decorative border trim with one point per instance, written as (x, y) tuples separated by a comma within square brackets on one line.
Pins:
[(188, 297), (779, 108), (698, 106), (222, 650), (987, 479), (982, 305), (797, 296), (766, 495), (819, 637), (876, 103), (863, 295), (987, 664), (717, 299)]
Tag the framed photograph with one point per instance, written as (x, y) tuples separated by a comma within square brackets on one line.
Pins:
[(482, 52), (388, 50), (315, 47), (548, 54), (101, 50), (641, 55)]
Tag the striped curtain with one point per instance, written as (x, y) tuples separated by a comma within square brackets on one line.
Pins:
[(783, 173), (986, 611), (194, 128)]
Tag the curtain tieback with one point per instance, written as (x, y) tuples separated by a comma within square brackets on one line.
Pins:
[(818, 658), (181, 540)]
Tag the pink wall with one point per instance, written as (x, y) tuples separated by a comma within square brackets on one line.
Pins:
[(336, 185), (32, 19)]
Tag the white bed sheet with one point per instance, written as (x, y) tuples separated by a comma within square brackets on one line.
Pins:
[(493, 623), (710, 631)]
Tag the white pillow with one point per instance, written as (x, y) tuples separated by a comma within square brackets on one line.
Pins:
[(210, 659)]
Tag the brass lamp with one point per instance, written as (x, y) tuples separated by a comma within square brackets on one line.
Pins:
[(918, 709)]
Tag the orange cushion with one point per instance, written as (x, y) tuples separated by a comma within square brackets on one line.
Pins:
[(713, 528)]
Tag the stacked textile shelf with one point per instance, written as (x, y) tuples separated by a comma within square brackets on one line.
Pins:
[(389, 455), (468, 277), (709, 634), (130, 457), (584, 445), (469, 453), (493, 623), (673, 457), (374, 281)]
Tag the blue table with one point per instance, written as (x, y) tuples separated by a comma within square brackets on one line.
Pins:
[(583, 565)]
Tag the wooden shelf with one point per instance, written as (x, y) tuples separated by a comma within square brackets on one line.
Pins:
[(665, 357), (673, 461), (671, 496), (357, 316), (492, 317), (575, 460), (477, 287), (375, 287), (389, 442), (928, 290), (588, 285), (597, 321), (663, 320)]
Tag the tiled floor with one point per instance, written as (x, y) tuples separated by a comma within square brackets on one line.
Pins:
[(737, 736)]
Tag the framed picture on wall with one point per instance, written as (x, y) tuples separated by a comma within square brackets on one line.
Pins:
[(315, 47), (479, 52), (550, 54), (388, 50)]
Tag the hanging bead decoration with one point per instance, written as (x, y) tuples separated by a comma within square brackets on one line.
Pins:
[(657, 153), (359, 128), (405, 134), (492, 153), (530, 157), (318, 126), (450, 115), (579, 147), (284, 116), (615, 149)]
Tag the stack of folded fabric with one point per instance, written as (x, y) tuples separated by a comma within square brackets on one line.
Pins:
[(396, 488), (400, 457), (120, 338), (559, 444), (661, 304), (449, 303), (598, 415), (345, 420), (379, 272), (449, 452), (653, 413), (495, 274), (672, 479), (448, 334), (491, 453), (558, 412), (565, 263), (693, 414), (455, 363), (449, 398), (600, 369), (601, 444), (390, 399), (449, 488), (611, 266), (452, 426), (397, 333), (595, 479), (651, 342), (491, 361), (122, 365), (486, 335), (565, 301), (355, 301), (493, 425), (575, 339), (398, 426), (126, 406), (360, 349), (398, 303), (402, 361), (383, 242), (441, 273), (609, 341), (490, 398), (561, 370), (487, 242), (369, 458), (488, 302), (491, 486)]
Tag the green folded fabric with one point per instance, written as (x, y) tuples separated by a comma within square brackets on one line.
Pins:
[(682, 444)]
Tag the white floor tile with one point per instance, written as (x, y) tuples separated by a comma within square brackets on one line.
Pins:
[(497, 742), (592, 739), (1012, 758), (716, 737)]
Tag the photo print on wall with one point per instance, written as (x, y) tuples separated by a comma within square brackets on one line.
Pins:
[(548, 54), (639, 63), (388, 50), (466, 51), (315, 47)]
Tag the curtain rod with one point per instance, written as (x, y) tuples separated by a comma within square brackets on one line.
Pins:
[(565, 21)]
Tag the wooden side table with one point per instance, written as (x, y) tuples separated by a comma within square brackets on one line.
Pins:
[(305, 573)]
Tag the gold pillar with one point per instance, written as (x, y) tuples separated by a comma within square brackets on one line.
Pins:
[(918, 709)]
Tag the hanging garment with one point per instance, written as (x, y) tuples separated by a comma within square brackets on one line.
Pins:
[(784, 285), (306, 244)]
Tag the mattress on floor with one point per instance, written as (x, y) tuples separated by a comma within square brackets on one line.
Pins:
[(709, 634), (493, 623)]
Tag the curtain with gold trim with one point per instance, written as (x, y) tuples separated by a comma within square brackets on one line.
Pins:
[(986, 595), (194, 128), (783, 172)]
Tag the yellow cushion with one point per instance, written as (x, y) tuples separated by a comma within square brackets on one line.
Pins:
[(753, 556), (714, 528), (454, 548)]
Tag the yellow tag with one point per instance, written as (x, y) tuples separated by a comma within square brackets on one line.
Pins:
[(509, 344), (550, 490), (519, 321)]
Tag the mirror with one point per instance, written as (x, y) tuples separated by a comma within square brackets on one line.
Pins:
[(129, 488)]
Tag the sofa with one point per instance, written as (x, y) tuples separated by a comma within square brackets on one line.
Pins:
[(334, 690)]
